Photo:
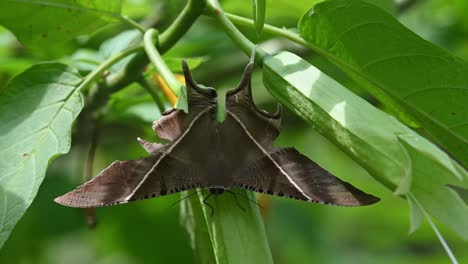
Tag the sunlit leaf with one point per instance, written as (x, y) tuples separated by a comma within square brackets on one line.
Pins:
[(419, 82), (392, 153), (37, 110)]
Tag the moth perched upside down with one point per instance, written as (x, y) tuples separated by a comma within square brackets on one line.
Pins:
[(204, 153)]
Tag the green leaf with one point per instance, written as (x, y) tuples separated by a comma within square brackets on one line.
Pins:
[(85, 60), (117, 44), (51, 22), (417, 206), (418, 81), (391, 152), (236, 236), (416, 215), (259, 9), (463, 192), (193, 219), (37, 110), (182, 102), (133, 106), (387, 5)]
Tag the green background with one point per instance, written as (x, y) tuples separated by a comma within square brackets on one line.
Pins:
[(150, 231)]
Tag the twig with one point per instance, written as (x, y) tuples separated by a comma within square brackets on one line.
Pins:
[(88, 173), (167, 39)]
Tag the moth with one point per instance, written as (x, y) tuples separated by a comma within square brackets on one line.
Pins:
[(204, 153)]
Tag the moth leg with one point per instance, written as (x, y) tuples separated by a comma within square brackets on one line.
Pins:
[(209, 205), (183, 198), (235, 199)]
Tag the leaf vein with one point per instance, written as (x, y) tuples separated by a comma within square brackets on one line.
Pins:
[(399, 56), (347, 31)]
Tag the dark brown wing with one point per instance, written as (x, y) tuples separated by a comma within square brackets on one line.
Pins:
[(286, 172), (171, 168), (174, 122), (264, 127), (125, 181)]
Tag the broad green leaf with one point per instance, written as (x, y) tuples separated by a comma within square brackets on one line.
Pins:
[(391, 152), (259, 9), (37, 110), (50, 22), (236, 236), (417, 80)]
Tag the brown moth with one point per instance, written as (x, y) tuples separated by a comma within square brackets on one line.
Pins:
[(203, 153)]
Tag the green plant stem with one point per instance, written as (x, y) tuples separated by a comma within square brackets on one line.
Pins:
[(159, 63), (244, 43), (88, 173), (282, 32), (97, 73), (133, 24), (167, 39), (181, 24)]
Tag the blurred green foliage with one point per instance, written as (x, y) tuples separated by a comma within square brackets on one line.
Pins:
[(149, 231)]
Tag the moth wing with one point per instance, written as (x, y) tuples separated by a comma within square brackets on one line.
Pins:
[(286, 172), (264, 126), (174, 122), (125, 181)]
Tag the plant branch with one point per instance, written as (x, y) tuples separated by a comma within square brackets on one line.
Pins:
[(88, 173), (167, 39), (97, 73), (166, 74), (243, 42), (133, 23), (282, 32), (159, 63)]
